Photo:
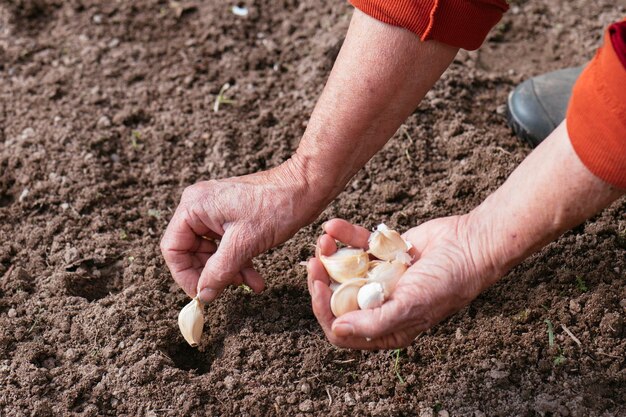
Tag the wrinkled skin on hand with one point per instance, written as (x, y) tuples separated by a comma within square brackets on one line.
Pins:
[(247, 215), (446, 275)]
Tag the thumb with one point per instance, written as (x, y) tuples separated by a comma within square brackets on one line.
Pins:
[(222, 267), (370, 324)]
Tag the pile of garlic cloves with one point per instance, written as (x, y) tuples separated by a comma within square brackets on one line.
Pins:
[(361, 283)]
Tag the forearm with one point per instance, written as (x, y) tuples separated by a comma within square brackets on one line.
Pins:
[(379, 78), (549, 193)]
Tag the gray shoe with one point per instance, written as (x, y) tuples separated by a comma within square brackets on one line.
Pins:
[(538, 105)]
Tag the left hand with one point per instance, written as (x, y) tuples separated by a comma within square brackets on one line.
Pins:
[(450, 269)]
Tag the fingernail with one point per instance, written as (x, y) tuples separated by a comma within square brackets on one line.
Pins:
[(324, 226), (207, 295), (343, 329)]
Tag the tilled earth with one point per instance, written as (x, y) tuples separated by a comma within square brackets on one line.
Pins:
[(106, 114)]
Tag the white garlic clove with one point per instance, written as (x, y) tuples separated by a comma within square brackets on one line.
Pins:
[(371, 295), (334, 285), (387, 274), (191, 322), (346, 263), (344, 299), (388, 245)]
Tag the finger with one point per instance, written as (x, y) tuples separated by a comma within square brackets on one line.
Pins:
[(345, 232), (326, 246), (318, 280), (179, 242), (320, 301), (253, 279), (237, 279), (222, 267), (375, 323), (419, 237)]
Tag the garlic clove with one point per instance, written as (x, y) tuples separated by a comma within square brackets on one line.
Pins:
[(388, 245), (346, 263), (371, 295), (191, 322), (344, 299), (387, 274)]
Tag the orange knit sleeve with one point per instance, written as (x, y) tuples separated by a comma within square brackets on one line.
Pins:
[(596, 116), (461, 23)]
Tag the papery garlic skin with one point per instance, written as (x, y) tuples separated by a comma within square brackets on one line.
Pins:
[(388, 245), (191, 322), (346, 263), (371, 295), (344, 298), (387, 274)]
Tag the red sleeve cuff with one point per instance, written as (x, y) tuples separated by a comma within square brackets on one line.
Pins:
[(596, 116), (460, 23)]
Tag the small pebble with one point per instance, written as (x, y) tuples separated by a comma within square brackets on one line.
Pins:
[(12, 313), (240, 11), (305, 387), (229, 382), (347, 398), (103, 122), (306, 406), (97, 19), (29, 132), (24, 194), (458, 335)]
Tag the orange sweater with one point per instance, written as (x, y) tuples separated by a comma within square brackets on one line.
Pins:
[(596, 117)]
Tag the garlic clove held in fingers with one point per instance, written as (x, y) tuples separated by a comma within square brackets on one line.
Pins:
[(387, 274), (388, 245), (346, 263), (191, 322), (371, 295), (344, 298)]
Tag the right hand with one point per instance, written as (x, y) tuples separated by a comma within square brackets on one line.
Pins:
[(248, 215)]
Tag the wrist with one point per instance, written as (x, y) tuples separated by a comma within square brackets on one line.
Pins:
[(494, 245), (306, 186)]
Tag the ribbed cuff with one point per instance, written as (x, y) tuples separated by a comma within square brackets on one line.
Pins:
[(460, 23), (596, 116)]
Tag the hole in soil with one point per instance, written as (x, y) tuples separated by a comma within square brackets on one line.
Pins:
[(44, 360), (93, 286), (189, 359), (6, 200)]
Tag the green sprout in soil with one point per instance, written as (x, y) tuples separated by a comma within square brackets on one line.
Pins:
[(221, 98), (135, 136), (396, 364), (580, 284), (550, 332), (560, 358), (245, 288)]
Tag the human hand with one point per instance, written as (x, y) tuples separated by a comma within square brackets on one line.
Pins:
[(247, 215), (450, 269)]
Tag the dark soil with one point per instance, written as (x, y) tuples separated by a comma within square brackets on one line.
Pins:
[(106, 115)]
